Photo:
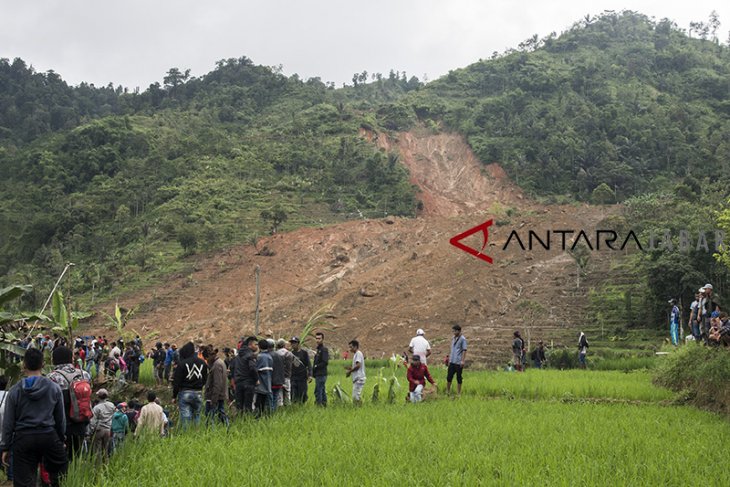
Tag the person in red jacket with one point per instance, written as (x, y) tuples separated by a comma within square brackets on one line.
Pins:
[(417, 375)]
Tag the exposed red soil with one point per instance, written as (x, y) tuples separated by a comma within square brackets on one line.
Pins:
[(385, 278)]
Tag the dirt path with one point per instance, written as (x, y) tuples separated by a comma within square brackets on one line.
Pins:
[(382, 279)]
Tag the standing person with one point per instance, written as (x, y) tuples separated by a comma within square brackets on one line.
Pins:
[(518, 351), (283, 351), (264, 368), (417, 375), (319, 370), (216, 387), (158, 361), (694, 317), (277, 375), (707, 306), (420, 346), (100, 428), (457, 357), (151, 417), (357, 371), (674, 322), (34, 425), (3, 401), (582, 349), (301, 372), (120, 426), (245, 375), (187, 384), (75, 387), (538, 355)]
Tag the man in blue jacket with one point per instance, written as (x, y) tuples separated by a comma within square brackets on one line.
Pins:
[(34, 425)]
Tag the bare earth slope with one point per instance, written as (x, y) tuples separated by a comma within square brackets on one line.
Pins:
[(385, 278)]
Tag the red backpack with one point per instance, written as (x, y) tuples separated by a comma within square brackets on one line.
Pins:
[(79, 393)]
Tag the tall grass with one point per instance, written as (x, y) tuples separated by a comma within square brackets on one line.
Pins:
[(465, 442)]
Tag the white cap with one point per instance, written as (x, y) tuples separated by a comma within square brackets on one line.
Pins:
[(419, 332), (708, 286), (701, 290)]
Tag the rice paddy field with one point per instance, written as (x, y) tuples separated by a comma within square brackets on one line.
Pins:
[(539, 427)]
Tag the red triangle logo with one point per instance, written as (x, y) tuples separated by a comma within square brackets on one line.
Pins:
[(484, 228)]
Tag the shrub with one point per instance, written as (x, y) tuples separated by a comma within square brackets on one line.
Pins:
[(701, 373)]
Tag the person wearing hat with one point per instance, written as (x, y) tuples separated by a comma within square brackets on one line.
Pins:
[(420, 346), (417, 375), (100, 428), (674, 322), (457, 358), (707, 306), (301, 372)]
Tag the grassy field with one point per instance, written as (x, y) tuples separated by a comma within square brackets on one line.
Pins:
[(551, 427)]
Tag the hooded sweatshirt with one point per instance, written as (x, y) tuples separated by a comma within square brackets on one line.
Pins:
[(34, 406)]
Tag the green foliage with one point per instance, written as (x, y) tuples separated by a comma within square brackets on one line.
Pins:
[(618, 99), (603, 195), (701, 374), (187, 237)]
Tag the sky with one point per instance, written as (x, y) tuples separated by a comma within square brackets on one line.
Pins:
[(135, 42)]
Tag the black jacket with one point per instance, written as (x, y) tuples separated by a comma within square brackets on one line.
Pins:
[(33, 405), (303, 371), (244, 368), (190, 374), (278, 375), (321, 361)]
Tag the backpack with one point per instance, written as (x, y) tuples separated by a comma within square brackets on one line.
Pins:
[(79, 393)]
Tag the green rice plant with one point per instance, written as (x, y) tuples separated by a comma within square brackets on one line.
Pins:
[(500, 442)]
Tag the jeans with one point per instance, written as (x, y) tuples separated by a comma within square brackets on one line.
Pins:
[(244, 397), (263, 404), (299, 390), (674, 330), (417, 394), (117, 439), (219, 409), (320, 390), (275, 394), (190, 403), (30, 449)]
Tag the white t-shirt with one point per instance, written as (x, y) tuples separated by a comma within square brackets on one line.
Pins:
[(359, 373), (420, 346)]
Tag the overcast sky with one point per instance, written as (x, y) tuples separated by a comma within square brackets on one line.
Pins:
[(135, 42)]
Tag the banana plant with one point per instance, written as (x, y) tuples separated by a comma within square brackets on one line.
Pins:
[(378, 380), (9, 322), (318, 320), (119, 321), (396, 361)]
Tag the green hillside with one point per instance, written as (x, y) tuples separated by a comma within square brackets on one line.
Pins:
[(617, 108)]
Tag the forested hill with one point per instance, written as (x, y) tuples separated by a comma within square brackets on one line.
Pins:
[(127, 181), (618, 99)]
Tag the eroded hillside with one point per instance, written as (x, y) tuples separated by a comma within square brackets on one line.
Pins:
[(385, 278)]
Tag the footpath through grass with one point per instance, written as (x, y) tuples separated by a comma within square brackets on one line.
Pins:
[(507, 429)]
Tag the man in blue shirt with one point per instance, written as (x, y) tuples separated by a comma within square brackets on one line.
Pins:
[(456, 359)]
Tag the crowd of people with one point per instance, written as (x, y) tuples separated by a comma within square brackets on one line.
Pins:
[(708, 323), (48, 419)]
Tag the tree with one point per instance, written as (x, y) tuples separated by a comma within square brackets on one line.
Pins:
[(603, 195), (275, 217), (175, 78), (187, 237)]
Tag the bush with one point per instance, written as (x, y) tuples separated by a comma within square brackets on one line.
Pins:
[(701, 374)]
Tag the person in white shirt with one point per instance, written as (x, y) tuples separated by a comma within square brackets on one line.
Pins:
[(357, 371), (420, 346)]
